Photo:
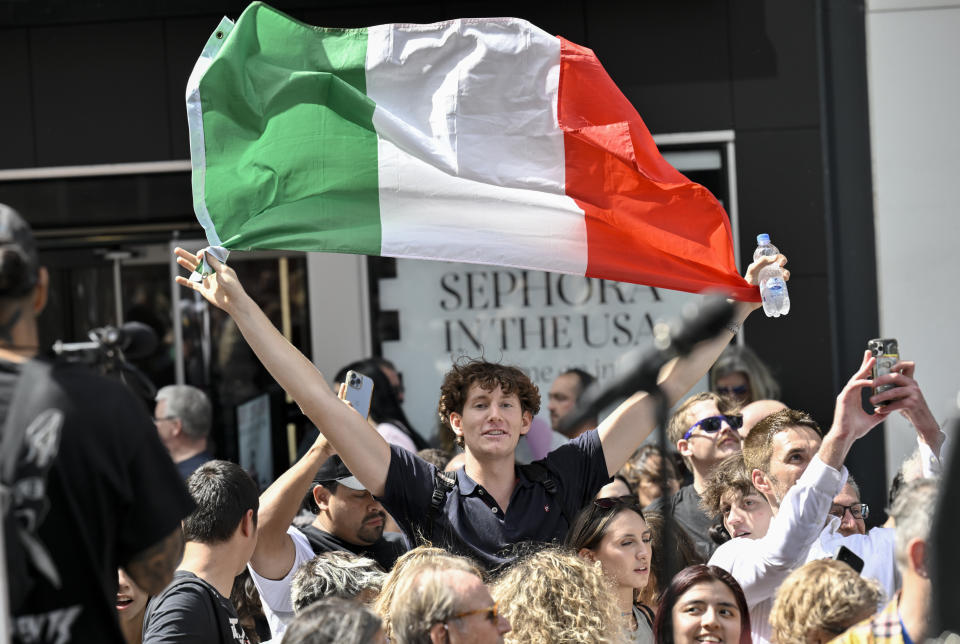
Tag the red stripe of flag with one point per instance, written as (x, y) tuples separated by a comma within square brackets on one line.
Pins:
[(646, 222)]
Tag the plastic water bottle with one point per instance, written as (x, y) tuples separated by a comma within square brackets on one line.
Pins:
[(773, 288)]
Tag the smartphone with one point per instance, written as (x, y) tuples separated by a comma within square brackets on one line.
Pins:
[(359, 392), (847, 556), (887, 353)]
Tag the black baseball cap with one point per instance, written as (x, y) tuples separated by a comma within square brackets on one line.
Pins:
[(19, 263), (333, 469)]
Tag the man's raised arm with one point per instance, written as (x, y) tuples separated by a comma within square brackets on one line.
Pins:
[(362, 449), (629, 425), (275, 553)]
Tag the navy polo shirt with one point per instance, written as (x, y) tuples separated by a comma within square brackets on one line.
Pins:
[(471, 523)]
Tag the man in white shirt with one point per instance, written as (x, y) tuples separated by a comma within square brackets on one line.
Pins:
[(800, 474)]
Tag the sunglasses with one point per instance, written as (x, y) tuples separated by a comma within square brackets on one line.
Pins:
[(492, 613), (739, 390), (610, 502), (713, 424)]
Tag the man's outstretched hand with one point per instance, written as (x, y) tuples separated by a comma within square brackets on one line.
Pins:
[(222, 289)]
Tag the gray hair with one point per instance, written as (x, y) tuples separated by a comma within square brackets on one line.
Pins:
[(913, 513), (739, 357), (423, 598), (853, 486), (191, 406), (334, 574), (333, 620)]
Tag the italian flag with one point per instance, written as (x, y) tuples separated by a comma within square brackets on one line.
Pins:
[(476, 140)]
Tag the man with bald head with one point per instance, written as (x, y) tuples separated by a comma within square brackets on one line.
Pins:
[(757, 411)]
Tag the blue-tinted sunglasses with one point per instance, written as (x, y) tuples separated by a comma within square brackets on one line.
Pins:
[(713, 424)]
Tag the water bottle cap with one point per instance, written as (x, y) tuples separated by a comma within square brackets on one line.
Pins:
[(763, 238)]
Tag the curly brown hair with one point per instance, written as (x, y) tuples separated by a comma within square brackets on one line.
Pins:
[(730, 475), (488, 376)]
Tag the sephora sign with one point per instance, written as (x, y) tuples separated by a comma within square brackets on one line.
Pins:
[(543, 323)]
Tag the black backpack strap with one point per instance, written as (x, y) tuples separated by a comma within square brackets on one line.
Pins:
[(541, 474), (26, 420), (443, 483)]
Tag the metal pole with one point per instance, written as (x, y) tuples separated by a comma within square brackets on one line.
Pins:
[(6, 620), (177, 316)]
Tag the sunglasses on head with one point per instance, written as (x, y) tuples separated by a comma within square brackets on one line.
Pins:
[(609, 502), (713, 424)]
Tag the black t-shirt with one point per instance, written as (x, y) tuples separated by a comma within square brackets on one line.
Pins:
[(471, 523), (694, 521), (113, 492), (384, 552), (187, 467), (190, 610)]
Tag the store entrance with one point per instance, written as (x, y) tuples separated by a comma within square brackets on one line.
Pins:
[(95, 285)]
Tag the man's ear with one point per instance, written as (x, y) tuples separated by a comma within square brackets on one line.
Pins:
[(761, 482), (456, 423), (321, 496), (41, 290), (438, 633), (247, 525), (917, 556), (683, 446), (525, 421)]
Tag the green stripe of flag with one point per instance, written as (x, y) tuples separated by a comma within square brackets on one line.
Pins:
[(290, 137)]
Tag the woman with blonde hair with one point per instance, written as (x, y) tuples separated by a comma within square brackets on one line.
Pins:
[(612, 533), (821, 600), (555, 596)]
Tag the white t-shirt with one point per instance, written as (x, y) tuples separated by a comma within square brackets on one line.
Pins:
[(275, 593)]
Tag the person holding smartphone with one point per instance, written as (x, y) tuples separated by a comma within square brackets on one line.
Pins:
[(491, 504)]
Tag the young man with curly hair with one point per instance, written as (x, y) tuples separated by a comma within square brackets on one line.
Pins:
[(492, 504)]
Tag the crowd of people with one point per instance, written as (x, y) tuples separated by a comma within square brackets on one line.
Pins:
[(749, 529)]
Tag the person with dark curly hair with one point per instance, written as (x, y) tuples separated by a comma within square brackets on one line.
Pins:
[(491, 505)]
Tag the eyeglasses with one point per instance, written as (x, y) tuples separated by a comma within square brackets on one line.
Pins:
[(857, 510), (492, 613), (713, 424), (737, 391), (156, 421)]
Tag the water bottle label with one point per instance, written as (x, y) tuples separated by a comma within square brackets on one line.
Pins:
[(775, 284)]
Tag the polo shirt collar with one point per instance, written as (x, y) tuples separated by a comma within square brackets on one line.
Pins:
[(468, 486)]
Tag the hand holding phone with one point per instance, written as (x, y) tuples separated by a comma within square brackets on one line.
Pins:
[(887, 354), (357, 390)]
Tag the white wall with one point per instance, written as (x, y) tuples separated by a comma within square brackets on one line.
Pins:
[(913, 51), (339, 310)]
